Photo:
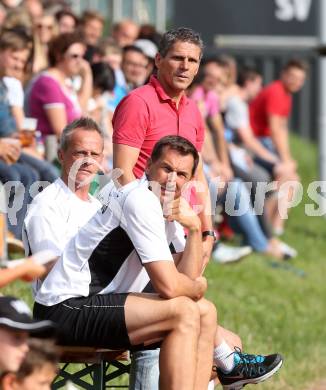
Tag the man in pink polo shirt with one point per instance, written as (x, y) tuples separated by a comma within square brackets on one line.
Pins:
[(161, 108), (141, 119)]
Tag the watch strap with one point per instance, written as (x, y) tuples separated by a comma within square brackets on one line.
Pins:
[(209, 233)]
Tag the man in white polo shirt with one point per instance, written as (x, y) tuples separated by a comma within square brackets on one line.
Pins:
[(58, 212)]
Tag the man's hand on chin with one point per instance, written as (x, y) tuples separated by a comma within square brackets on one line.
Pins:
[(179, 210)]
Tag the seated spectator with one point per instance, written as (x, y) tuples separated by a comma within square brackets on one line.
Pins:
[(125, 32), (134, 66), (38, 369), (244, 141), (91, 27), (149, 49), (237, 115), (13, 57), (67, 21), (13, 169), (229, 64), (111, 53), (16, 324), (19, 22), (14, 53), (92, 24), (45, 29), (269, 115), (103, 87), (247, 223), (207, 96), (240, 214), (215, 156), (20, 178), (245, 148), (103, 84), (52, 99)]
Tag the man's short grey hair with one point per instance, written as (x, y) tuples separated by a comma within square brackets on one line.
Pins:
[(182, 34), (83, 123)]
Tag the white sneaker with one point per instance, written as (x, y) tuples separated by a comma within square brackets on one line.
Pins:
[(227, 254), (288, 250)]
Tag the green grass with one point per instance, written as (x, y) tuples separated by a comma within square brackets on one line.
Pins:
[(278, 309), (273, 308)]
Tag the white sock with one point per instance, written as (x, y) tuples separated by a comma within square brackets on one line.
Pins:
[(223, 357), (211, 385)]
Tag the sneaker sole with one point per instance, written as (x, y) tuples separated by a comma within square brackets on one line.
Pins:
[(239, 385)]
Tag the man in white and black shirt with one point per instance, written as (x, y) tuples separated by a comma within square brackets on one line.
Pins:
[(109, 253)]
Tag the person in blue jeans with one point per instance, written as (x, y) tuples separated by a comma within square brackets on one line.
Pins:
[(244, 221), (22, 178), (20, 167)]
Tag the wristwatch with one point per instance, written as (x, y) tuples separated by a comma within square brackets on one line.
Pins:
[(209, 233)]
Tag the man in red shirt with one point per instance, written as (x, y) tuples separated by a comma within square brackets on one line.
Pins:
[(161, 108), (270, 110), (269, 115)]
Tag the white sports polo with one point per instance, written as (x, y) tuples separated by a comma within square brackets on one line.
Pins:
[(54, 216)]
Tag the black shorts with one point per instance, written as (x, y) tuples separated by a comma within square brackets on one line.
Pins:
[(96, 321)]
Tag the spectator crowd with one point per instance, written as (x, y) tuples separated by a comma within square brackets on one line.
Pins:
[(56, 67), (67, 92)]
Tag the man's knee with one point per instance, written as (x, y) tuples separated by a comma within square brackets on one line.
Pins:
[(187, 315), (208, 313)]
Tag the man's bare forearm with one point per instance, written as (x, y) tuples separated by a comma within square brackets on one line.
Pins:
[(184, 286), (191, 262), (169, 283)]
